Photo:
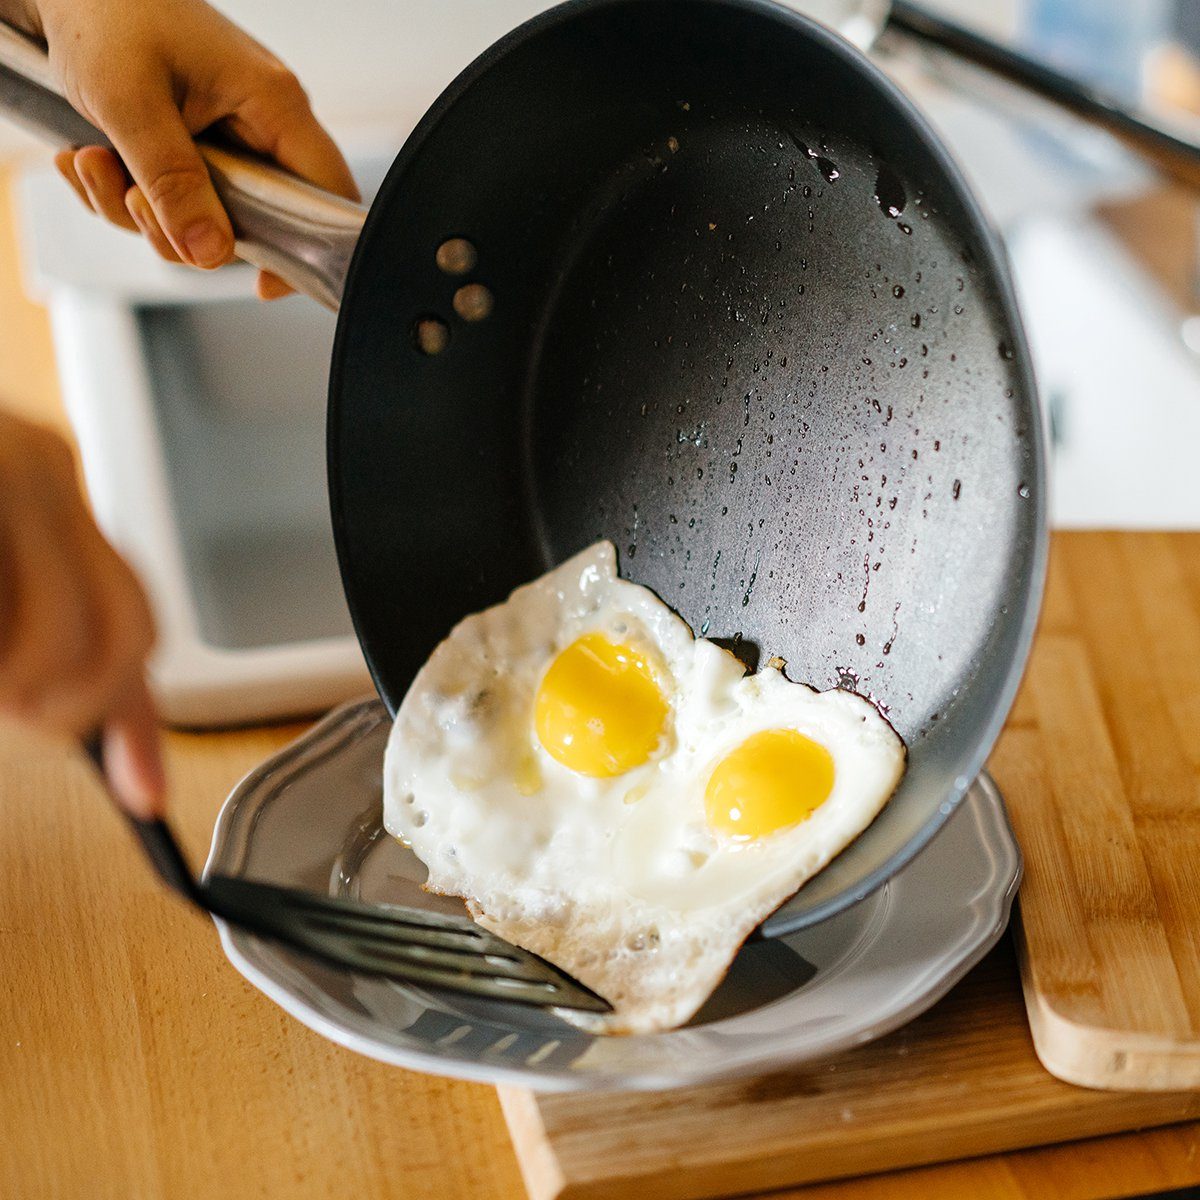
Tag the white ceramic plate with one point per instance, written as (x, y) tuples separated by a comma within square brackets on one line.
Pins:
[(310, 818)]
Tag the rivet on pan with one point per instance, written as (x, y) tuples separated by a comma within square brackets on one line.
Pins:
[(431, 335), (474, 302), (456, 256)]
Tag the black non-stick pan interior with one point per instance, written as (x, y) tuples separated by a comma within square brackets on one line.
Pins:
[(750, 325)]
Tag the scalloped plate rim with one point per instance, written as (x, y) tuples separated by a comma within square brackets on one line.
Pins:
[(986, 931)]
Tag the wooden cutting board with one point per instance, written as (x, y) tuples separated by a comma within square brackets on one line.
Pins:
[(1100, 764), (959, 1081)]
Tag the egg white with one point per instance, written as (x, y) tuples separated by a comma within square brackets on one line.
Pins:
[(619, 881)]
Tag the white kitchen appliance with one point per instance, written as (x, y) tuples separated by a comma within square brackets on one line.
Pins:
[(200, 415)]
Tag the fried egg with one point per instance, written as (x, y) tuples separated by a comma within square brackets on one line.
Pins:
[(620, 797)]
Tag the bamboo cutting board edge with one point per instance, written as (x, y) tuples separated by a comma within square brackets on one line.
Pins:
[(960, 1082), (796, 1168), (1100, 770), (540, 1168), (1098, 1057)]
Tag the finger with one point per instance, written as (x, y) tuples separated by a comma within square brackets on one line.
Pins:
[(133, 754), (78, 622), (104, 178), (46, 635), (147, 129), (127, 625), (52, 622), (121, 635), (278, 121), (64, 160), (271, 287), (144, 219), (83, 622)]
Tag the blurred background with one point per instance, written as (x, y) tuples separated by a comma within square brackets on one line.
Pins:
[(200, 413)]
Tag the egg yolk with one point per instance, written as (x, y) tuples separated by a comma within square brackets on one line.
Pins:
[(600, 710), (773, 780)]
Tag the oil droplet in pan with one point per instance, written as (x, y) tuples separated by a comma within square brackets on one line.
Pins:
[(889, 192)]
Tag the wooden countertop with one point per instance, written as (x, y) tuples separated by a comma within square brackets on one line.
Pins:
[(136, 1063)]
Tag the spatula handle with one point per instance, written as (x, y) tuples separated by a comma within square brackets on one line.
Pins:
[(155, 835), (304, 235)]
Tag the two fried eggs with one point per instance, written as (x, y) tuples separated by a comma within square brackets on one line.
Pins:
[(620, 797)]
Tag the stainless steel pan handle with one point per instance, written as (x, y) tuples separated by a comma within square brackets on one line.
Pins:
[(304, 235)]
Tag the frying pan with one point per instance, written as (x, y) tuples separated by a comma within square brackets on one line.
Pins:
[(743, 317)]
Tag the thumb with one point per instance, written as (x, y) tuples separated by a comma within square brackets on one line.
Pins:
[(132, 754), (159, 153)]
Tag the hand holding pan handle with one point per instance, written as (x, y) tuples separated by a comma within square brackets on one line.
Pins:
[(307, 236), (282, 224)]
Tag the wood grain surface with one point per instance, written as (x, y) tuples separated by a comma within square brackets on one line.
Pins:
[(961, 1080), (136, 1064), (1100, 765)]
